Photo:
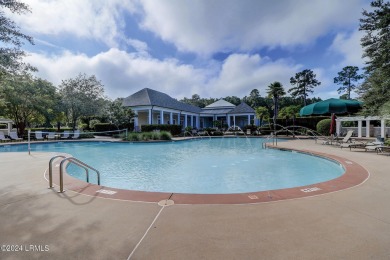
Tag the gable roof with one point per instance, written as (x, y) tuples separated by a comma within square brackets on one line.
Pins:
[(150, 97), (242, 108), (220, 104)]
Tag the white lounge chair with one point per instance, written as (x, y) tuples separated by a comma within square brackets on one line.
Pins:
[(347, 138), (14, 136), (65, 135), (76, 134), (51, 136), (3, 138), (39, 136)]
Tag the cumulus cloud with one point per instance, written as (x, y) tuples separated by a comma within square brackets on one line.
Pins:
[(348, 46), (124, 73), (121, 73), (240, 73), (205, 27), (98, 19)]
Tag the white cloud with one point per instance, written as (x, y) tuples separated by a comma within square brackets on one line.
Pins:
[(123, 74), (205, 27), (240, 73), (98, 19), (348, 46)]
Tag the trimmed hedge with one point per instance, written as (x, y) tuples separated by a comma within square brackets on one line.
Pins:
[(173, 129), (323, 127), (148, 136)]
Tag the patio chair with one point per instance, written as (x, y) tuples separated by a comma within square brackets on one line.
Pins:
[(51, 136), (3, 138), (373, 146), (347, 138), (39, 136), (14, 136), (65, 135), (76, 134)]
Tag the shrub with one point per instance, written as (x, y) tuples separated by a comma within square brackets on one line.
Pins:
[(165, 136), (146, 136), (174, 129), (134, 137), (217, 133), (323, 126), (102, 127), (92, 123)]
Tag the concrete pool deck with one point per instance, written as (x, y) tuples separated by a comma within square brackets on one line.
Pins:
[(349, 224)]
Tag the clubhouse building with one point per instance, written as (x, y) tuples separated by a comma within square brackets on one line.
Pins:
[(154, 107)]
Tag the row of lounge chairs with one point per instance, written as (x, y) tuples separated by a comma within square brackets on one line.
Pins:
[(347, 142), (13, 136)]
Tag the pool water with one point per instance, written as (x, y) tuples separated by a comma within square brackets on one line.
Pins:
[(207, 166)]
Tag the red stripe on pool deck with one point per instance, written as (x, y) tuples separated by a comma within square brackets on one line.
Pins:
[(353, 176)]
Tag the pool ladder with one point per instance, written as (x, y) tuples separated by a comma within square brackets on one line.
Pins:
[(73, 160)]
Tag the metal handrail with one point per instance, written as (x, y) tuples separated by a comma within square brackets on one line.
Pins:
[(51, 169), (70, 160), (79, 163)]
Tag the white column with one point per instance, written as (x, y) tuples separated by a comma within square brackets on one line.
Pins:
[(367, 128), (185, 120), (161, 117), (338, 127), (136, 119), (228, 120), (171, 118), (360, 128), (178, 118), (197, 118), (150, 116), (192, 121), (383, 126), (9, 127), (249, 119), (234, 121)]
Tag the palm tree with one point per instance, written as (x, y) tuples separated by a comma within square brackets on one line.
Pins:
[(275, 91)]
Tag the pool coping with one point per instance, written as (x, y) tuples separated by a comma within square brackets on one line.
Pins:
[(354, 175)]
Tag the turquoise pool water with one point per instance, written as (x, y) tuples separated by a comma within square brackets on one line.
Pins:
[(207, 166)]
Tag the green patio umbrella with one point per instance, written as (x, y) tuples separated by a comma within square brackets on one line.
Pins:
[(331, 106)]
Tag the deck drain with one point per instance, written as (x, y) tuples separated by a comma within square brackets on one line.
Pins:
[(166, 203)]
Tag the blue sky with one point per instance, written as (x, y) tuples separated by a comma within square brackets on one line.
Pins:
[(182, 47)]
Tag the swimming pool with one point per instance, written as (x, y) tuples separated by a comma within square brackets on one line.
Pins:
[(207, 166)]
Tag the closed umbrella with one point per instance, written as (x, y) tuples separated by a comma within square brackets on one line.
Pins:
[(332, 129), (332, 105)]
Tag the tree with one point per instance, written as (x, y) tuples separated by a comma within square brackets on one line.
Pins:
[(345, 78), (81, 96), (376, 41), (119, 115), (305, 81), (27, 99), (262, 113), (254, 99), (233, 99), (275, 91), (375, 90), (11, 54)]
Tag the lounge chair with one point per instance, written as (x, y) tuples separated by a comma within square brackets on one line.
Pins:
[(65, 135), (76, 134), (347, 138), (373, 146), (39, 136), (355, 144), (382, 149), (3, 138), (14, 136), (51, 136)]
